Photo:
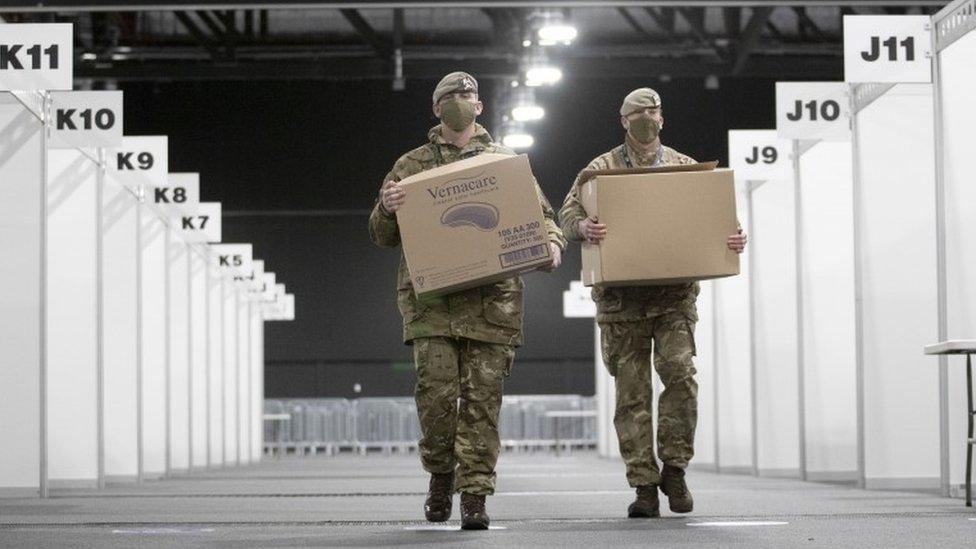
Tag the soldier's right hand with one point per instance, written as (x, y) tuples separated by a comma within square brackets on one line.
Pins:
[(592, 230), (392, 196)]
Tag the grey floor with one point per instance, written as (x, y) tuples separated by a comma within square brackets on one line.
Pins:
[(542, 500)]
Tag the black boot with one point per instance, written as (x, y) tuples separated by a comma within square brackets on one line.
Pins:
[(437, 508), (673, 485), (473, 515), (646, 505)]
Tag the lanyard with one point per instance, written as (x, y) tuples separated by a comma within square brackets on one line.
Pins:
[(658, 158)]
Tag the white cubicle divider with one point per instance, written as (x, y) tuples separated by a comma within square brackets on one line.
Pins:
[(954, 51), (199, 357), (243, 375), (179, 354), (894, 210), (80, 122), (215, 363), (827, 319), (772, 255), (23, 241), (706, 433), (251, 287), (232, 260), (72, 319), (762, 163), (733, 365), (257, 378), (139, 336), (22, 169)]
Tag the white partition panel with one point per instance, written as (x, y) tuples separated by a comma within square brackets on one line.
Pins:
[(827, 255), (243, 377), (733, 363), (21, 187), (231, 358), (705, 366), (72, 319), (958, 87), (215, 365), (179, 355), (899, 294), (773, 250), (257, 382), (155, 462), (199, 407), (120, 348)]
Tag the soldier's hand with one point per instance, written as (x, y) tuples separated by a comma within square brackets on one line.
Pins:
[(737, 242), (592, 230), (392, 196), (557, 258)]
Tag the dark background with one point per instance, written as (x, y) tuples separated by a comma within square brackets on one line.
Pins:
[(297, 166)]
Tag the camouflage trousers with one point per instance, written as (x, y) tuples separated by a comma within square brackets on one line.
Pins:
[(461, 434), (627, 350)]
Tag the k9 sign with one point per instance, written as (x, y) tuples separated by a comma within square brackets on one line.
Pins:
[(140, 161), (36, 56)]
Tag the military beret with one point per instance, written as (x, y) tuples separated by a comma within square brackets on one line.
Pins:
[(455, 82), (639, 99)]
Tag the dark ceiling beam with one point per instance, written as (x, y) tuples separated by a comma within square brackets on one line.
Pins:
[(212, 23), (367, 33), (732, 20), (696, 21), (165, 5), (750, 38), (809, 25), (664, 18), (635, 24), (372, 68), (196, 32)]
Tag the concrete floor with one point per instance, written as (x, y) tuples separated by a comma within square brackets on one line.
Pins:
[(542, 500)]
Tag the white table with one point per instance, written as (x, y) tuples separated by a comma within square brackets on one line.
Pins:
[(962, 347)]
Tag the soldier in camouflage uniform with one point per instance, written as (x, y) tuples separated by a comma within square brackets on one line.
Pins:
[(638, 320), (464, 342)]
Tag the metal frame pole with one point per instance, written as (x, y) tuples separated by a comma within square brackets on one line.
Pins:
[(206, 343), (189, 355), (859, 365), (800, 347), (715, 376), (140, 450), (167, 353), (42, 298), (753, 374), (100, 318)]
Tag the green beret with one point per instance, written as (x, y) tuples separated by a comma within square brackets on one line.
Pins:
[(640, 99), (455, 82)]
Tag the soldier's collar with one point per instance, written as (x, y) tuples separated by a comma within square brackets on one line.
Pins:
[(480, 134)]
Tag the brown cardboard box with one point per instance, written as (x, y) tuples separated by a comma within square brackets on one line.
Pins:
[(665, 225), (472, 222)]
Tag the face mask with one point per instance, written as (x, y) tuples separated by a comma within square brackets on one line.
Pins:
[(644, 129), (457, 115)]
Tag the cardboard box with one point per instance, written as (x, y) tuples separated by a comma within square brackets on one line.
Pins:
[(472, 222), (665, 225)]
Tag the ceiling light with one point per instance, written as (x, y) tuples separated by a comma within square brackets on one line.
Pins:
[(527, 113), (518, 141), (542, 76), (557, 33)]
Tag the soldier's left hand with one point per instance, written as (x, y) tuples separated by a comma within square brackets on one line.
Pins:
[(557, 258), (737, 242)]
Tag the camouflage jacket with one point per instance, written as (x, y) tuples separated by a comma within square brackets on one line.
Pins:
[(491, 313), (628, 303)]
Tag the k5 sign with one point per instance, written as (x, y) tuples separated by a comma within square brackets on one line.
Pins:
[(233, 259), (36, 56)]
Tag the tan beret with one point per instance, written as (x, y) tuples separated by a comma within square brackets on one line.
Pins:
[(639, 99), (455, 82)]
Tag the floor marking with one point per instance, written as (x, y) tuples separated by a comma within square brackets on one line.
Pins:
[(163, 531), (565, 493), (445, 528), (740, 523)]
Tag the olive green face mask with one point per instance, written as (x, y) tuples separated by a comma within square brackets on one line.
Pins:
[(457, 114), (644, 129)]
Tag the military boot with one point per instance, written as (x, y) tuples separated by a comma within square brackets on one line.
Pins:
[(673, 485), (473, 515), (646, 505), (437, 508)]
